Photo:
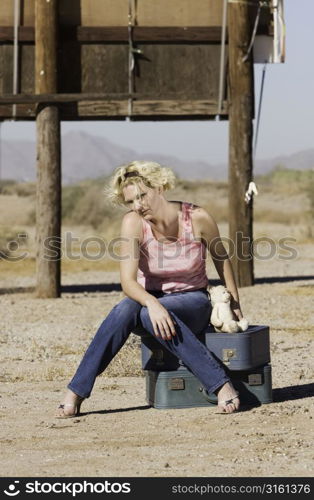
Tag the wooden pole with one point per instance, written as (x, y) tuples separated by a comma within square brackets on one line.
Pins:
[(48, 209), (241, 112)]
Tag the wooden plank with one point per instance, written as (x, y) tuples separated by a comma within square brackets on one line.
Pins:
[(120, 34), (2, 64), (104, 68), (6, 12), (114, 34), (70, 75), (176, 108), (26, 13), (27, 68), (241, 111), (104, 13), (179, 13), (146, 34), (150, 108), (7, 69), (190, 71), (115, 13), (73, 98), (100, 109), (119, 108), (23, 112), (25, 34)]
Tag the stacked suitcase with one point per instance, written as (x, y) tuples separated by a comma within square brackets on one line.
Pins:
[(245, 356)]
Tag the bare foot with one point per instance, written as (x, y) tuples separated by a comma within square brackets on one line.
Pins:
[(70, 407), (228, 398)]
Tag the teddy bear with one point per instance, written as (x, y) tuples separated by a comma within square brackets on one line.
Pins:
[(222, 317)]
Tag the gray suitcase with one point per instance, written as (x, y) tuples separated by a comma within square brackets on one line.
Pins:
[(238, 351), (242, 350), (181, 389)]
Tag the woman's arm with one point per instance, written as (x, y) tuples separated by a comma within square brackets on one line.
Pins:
[(209, 231), (131, 235)]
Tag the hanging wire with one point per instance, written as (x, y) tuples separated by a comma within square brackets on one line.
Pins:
[(16, 52), (222, 58), (245, 58), (259, 109), (0, 152), (132, 51), (131, 59), (252, 189)]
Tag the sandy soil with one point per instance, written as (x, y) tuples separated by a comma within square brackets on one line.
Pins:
[(118, 434)]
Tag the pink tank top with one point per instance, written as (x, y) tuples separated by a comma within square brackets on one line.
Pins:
[(179, 265)]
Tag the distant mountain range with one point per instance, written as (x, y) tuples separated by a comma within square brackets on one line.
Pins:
[(86, 156)]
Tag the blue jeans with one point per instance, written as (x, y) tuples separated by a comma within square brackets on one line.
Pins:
[(191, 312)]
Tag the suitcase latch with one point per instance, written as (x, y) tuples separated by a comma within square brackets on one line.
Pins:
[(255, 379), (227, 354), (176, 384)]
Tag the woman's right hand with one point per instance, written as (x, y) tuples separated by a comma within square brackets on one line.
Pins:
[(162, 322)]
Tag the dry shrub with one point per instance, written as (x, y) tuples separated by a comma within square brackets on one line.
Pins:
[(282, 217), (23, 189), (127, 363), (9, 239), (85, 203)]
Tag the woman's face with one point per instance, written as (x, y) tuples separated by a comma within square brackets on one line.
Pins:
[(142, 199)]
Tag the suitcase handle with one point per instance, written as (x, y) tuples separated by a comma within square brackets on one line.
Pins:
[(211, 398)]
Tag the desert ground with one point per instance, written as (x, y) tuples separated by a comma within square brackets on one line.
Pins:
[(118, 433)]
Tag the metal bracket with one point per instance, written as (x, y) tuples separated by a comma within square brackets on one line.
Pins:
[(176, 384)]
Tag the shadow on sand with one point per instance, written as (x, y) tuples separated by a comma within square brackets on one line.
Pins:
[(116, 410), (293, 392)]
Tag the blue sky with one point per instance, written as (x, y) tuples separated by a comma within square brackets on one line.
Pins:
[(287, 114)]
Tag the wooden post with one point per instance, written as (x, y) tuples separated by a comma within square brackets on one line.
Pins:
[(241, 111), (48, 209)]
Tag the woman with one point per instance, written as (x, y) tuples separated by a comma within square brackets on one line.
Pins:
[(162, 270)]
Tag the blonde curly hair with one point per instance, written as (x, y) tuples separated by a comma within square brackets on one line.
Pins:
[(152, 174)]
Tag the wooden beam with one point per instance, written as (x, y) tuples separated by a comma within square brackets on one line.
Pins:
[(147, 34), (241, 111), (63, 98), (48, 199), (141, 34), (25, 34), (110, 108)]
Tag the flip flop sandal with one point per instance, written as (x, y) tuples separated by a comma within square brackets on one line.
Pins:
[(77, 408), (222, 404)]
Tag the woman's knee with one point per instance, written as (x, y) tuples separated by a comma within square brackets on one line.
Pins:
[(127, 307)]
